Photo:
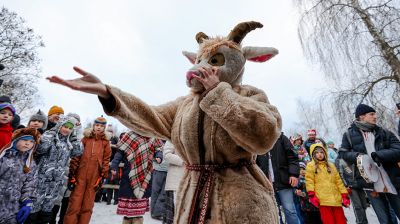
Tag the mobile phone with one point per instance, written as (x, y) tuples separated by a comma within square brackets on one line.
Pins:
[(398, 105)]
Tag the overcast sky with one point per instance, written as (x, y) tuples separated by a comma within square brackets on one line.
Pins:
[(137, 45)]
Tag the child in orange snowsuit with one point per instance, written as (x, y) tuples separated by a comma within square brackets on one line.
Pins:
[(87, 172), (325, 187)]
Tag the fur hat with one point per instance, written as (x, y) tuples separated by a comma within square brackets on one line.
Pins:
[(39, 116), (9, 106), (100, 120), (16, 136), (55, 110), (363, 109)]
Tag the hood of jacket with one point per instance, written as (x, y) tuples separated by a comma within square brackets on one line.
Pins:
[(312, 149), (89, 133)]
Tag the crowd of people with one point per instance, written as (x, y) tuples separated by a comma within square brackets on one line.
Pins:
[(313, 179), (52, 169)]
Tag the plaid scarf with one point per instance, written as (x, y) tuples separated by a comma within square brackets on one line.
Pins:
[(139, 151)]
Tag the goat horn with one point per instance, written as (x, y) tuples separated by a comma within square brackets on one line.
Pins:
[(200, 37), (242, 29)]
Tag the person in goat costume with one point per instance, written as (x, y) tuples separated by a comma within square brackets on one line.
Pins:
[(218, 129)]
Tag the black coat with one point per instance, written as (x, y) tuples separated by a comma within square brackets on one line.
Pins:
[(387, 148), (285, 163), (125, 189)]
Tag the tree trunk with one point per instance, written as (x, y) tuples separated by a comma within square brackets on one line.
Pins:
[(386, 50)]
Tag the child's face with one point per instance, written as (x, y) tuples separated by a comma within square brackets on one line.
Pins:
[(54, 117), (6, 116), (302, 172), (25, 145), (319, 155), (36, 124), (66, 131), (297, 142), (331, 146), (99, 128)]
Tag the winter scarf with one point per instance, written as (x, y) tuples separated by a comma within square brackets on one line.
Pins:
[(139, 151), (365, 126)]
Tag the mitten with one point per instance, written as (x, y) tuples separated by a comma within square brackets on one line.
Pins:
[(313, 199), (376, 158), (98, 184), (346, 200), (72, 182), (24, 211)]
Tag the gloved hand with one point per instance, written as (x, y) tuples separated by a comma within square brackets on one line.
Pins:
[(349, 190), (24, 211), (313, 199), (98, 184), (346, 200), (376, 159), (72, 182)]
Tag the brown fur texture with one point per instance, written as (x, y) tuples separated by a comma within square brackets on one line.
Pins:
[(239, 123)]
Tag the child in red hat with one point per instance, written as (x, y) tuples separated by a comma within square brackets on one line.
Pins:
[(7, 113)]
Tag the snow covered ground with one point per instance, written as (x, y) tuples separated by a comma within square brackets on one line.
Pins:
[(106, 214)]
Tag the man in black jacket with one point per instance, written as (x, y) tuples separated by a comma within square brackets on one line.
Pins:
[(365, 137), (285, 172)]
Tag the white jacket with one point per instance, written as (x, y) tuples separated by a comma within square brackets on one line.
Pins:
[(175, 169)]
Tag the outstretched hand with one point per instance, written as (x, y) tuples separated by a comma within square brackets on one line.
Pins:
[(88, 83)]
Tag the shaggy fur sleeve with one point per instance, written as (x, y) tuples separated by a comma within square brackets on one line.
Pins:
[(150, 121), (250, 120)]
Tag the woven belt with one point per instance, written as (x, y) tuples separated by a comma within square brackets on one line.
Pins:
[(206, 183)]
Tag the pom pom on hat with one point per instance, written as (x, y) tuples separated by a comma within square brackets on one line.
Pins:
[(55, 110), (312, 131), (363, 109), (8, 106), (100, 120)]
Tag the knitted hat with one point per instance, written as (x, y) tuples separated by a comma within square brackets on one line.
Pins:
[(302, 165), (297, 136), (363, 109), (74, 115), (17, 135), (55, 110), (5, 99), (311, 131), (39, 116), (100, 120), (330, 142), (7, 106)]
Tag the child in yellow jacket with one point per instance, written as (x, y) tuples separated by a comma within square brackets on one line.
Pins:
[(325, 187)]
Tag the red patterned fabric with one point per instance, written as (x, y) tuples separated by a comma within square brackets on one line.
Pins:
[(133, 207), (139, 151)]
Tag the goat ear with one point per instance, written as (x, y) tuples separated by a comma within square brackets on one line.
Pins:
[(259, 54), (190, 55)]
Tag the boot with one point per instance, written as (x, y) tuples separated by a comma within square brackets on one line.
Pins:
[(127, 220), (137, 220)]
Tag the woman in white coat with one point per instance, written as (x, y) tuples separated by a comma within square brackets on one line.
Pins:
[(174, 176)]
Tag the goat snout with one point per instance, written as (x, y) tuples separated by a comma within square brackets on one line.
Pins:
[(191, 74)]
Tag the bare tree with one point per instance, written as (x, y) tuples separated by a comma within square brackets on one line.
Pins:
[(357, 45), (18, 54)]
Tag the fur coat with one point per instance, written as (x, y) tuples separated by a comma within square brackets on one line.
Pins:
[(238, 124)]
